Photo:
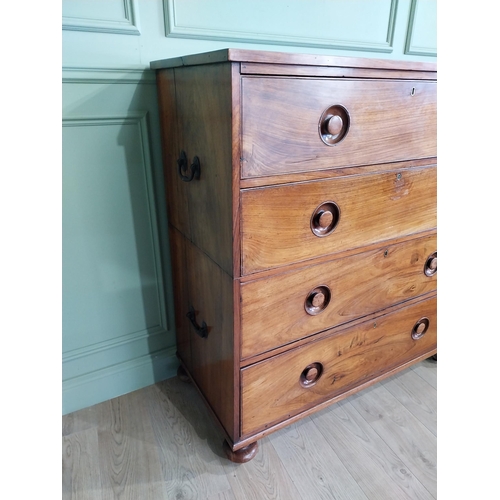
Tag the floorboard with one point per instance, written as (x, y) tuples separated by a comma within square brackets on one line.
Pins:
[(316, 469), (161, 443), (403, 433), (416, 397), (379, 471)]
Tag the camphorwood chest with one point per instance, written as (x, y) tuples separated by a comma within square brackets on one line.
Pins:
[(301, 196)]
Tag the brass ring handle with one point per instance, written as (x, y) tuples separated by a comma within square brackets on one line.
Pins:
[(317, 300), (420, 328), (311, 374), (430, 267), (325, 218), (334, 124)]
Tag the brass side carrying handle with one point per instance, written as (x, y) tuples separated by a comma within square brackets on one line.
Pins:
[(182, 164), (202, 330)]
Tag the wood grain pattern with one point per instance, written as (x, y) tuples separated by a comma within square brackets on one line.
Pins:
[(319, 476), (271, 390), (204, 111), (281, 117), (428, 372), (359, 285), (181, 293), (326, 403), (129, 467), (289, 58), (236, 155), (326, 333), (418, 446), (235, 152), (263, 477), (197, 110), (81, 476), (274, 180), (225, 495), (378, 470), (334, 454), (417, 397), (292, 148), (82, 420), (185, 441), (323, 259), (176, 190), (212, 358), (333, 72), (373, 208)]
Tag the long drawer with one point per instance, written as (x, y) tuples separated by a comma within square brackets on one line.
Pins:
[(300, 125), (285, 385), (280, 309), (297, 222)]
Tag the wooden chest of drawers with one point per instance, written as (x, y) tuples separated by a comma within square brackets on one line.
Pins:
[(301, 197)]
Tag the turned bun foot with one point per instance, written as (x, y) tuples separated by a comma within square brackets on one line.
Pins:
[(243, 454), (182, 374)]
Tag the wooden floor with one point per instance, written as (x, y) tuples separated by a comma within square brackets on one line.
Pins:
[(160, 443)]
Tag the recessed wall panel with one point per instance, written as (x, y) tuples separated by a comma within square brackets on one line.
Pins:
[(349, 24), (112, 284)]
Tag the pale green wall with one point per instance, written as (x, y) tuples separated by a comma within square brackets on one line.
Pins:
[(118, 324)]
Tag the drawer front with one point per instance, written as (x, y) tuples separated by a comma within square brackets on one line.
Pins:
[(281, 387), (281, 309), (299, 125), (297, 222)]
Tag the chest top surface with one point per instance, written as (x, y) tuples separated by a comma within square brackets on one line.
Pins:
[(292, 59)]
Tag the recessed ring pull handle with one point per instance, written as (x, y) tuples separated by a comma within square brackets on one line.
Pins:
[(325, 218), (317, 300), (311, 374), (420, 328), (334, 124), (431, 264)]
